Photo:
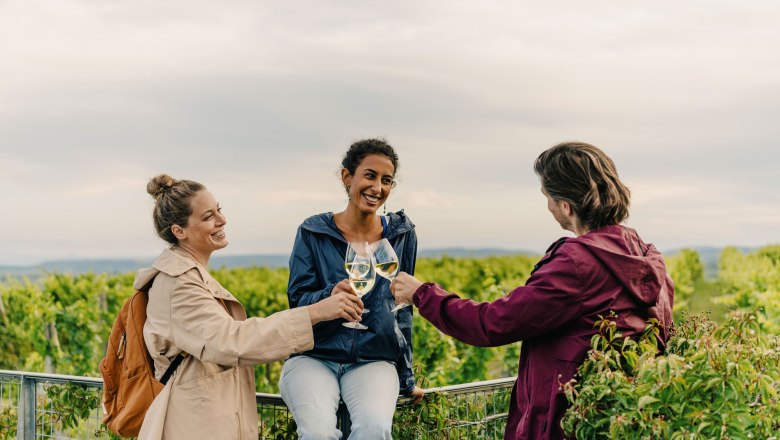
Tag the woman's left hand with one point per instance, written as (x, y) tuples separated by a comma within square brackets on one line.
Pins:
[(417, 395)]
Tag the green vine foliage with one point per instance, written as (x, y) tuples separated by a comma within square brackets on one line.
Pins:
[(441, 417), (751, 282), (272, 428), (8, 423), (446, 361), (70, 405), (71, 402), (713, 382), (60, 323), (687, 271)]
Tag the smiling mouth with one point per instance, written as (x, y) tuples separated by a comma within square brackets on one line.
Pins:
[(371, 199), (220, 234)]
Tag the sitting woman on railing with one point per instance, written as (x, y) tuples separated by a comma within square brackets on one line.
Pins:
[(212, 393), (606, 267), (366, 366)]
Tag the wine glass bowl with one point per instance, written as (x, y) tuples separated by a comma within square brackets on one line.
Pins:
[(357, 260), (361, 273), (386, 263)]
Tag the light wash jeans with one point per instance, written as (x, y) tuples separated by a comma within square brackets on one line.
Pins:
[(311, 388)]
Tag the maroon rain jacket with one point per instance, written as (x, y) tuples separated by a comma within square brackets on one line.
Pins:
[(609, 268)]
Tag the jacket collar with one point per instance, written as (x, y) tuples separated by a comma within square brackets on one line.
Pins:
[(173, 261), (398, 223)]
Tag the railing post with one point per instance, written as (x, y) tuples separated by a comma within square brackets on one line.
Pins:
[(26, 411), (345, 421)]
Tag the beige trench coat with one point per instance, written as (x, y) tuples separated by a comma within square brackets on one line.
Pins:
[(212, 394)]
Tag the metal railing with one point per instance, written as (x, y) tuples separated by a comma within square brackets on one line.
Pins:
[(466, 411)]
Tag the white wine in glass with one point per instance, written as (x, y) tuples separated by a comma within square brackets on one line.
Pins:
[(362, 286), (386, 263)]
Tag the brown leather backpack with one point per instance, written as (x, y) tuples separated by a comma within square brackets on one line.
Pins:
[(129, 386)]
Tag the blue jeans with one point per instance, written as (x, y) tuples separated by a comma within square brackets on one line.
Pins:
[(311, 388)]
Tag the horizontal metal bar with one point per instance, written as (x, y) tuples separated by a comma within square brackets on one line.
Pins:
[(269, 399), (472, 387), (273, 399), (44, 377)]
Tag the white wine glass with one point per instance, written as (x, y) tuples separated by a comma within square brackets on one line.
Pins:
[(386, 263), (360, 271), (357, 261)]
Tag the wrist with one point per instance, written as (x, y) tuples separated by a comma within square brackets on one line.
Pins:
[(408, 390), (314, 314), (416, 295)]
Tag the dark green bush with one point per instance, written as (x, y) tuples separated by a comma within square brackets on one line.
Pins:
[(713, 382)]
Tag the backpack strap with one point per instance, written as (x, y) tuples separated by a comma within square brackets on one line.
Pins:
[(177, 360), (180, 357), (171, 368)]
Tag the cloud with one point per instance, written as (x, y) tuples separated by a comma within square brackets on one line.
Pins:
[(295, 196), (259, 101), (430, 199)]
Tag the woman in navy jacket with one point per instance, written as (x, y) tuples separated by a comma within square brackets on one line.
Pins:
[(365, 368)]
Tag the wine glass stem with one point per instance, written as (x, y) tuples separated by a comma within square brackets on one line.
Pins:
[(397, 306)]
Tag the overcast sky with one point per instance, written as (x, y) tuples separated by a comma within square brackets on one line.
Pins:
[(259, 101)]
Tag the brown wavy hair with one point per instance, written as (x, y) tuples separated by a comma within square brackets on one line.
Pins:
[(586, 177), (171, 204)]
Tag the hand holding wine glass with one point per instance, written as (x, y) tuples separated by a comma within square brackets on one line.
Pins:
[(342, 303), (403, 288)]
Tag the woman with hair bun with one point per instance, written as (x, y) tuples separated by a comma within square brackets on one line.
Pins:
[(367, 369), (212, 393)]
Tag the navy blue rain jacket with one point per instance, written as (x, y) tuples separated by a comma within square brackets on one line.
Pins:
[(317, 265)]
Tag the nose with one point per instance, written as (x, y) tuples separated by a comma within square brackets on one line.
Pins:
[(221, 219), (376, 187)]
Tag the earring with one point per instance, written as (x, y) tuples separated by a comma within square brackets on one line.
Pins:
[(346, 187), (384, 208)]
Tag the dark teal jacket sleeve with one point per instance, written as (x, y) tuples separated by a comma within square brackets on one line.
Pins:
[(303, 287)]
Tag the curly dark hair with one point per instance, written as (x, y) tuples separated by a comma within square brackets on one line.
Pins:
[(586, 177), (362, 148)]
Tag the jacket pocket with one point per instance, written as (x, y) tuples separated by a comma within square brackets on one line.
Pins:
[(197, 407), (211, 384)]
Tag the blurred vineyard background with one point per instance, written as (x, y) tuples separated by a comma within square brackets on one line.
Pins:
[(59, 323)]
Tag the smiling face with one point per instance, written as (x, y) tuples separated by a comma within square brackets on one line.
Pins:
[(371, 184), (205, 230)]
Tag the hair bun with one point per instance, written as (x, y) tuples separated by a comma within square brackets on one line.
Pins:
[(158, 186)]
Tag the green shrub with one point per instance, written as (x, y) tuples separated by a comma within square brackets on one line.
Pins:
[(713, 382), (752, 283), (687, 271)]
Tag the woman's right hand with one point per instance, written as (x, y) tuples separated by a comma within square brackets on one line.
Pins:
[(342, 303)]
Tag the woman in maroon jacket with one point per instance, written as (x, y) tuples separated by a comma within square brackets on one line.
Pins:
[(605, 267)]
